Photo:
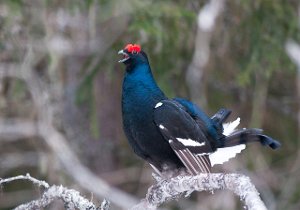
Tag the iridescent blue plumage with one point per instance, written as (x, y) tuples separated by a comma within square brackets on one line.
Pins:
[(139, 96), (213, 125), (197, 113)]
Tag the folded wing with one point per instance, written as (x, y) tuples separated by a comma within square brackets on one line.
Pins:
[(184, 135)]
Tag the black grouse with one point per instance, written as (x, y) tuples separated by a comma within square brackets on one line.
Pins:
[(175, 133)]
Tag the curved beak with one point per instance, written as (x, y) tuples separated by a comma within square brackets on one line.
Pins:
[(125, 56)]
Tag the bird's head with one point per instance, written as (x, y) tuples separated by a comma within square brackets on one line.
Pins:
[(132, 55)]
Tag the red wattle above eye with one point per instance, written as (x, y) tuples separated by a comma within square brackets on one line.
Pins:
[(129, 47), (137, 48), (133, 48)]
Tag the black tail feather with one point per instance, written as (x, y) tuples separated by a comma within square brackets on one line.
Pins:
[(268, 141), (218, 120), (221, 116), (249, 135)]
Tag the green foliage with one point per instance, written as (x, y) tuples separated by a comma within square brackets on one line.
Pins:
[(263, 30), (85, 96), (94, 123), (164, 28), (15, 4), (84, 92)]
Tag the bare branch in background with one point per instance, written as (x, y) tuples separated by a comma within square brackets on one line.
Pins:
[(206, 23), (293, 50), (57, 142), (166, 190), (13, 160), (13, 129)]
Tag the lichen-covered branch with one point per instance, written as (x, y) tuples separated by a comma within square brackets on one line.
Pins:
[(26, 177), (166, 190), (71, 198)]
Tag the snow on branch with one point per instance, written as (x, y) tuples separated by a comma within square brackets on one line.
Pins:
[(71, 198), (179, 186)]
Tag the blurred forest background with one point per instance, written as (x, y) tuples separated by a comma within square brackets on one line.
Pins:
[(60, 91)]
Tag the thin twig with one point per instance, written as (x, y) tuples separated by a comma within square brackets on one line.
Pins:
[(27, 177)]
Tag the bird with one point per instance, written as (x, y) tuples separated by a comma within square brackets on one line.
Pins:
[(174, 134)]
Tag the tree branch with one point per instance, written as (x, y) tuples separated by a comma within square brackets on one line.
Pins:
[(14, 129), (179, 186), (71, 198), (293, 51), (27, 177)]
